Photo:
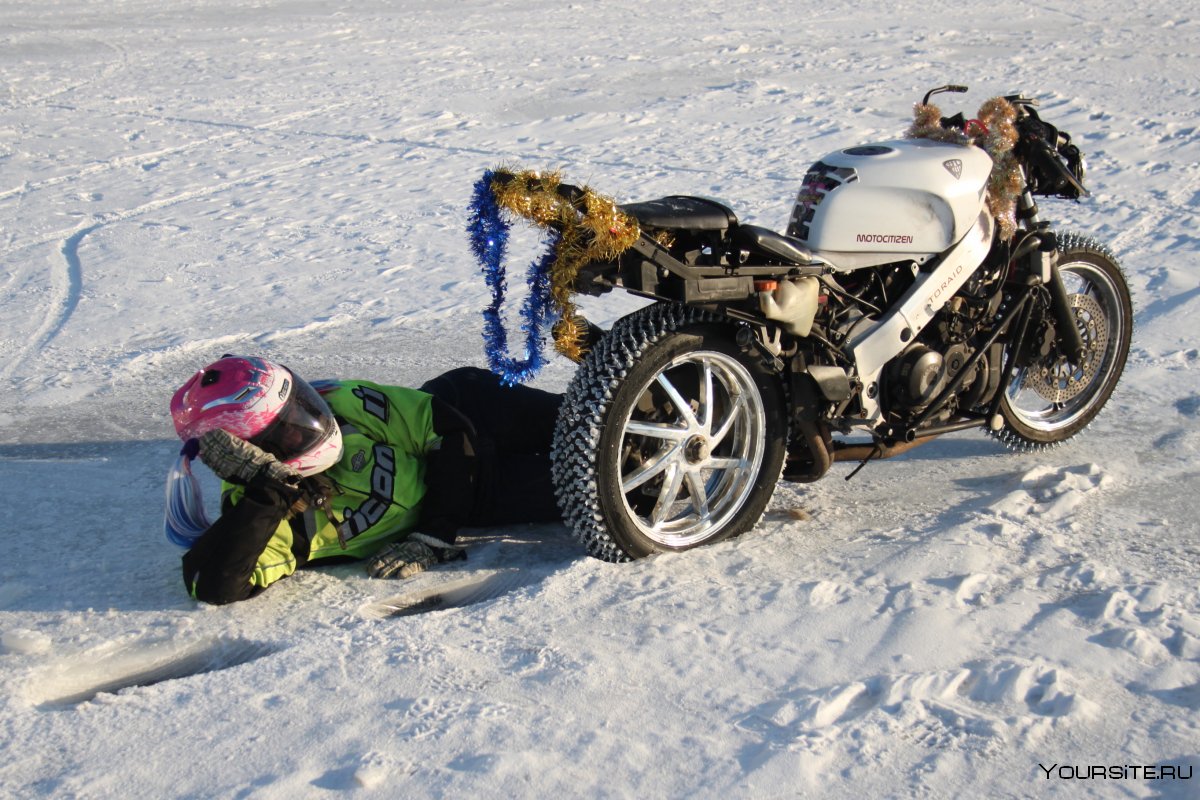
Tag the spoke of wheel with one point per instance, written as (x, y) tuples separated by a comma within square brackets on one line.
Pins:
[(695, 482), (682, 406), (649, 469), (725, 463), (657, 430), (739, 403), (706, 398), (672, 482)]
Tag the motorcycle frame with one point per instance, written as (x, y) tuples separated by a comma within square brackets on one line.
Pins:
[(648, 269), (932, 289)]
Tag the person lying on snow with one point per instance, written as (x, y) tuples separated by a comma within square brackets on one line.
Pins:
[(349, 468)]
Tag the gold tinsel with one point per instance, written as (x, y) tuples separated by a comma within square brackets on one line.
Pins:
[(996, 133), (927, 124), (591, 228)]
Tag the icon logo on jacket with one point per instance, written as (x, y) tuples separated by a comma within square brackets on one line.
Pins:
[(374, 401), (383, 482)]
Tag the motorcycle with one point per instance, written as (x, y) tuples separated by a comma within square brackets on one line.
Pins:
[(897, 307)]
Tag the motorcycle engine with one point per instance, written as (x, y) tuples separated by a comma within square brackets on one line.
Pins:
[(921, 373), (917, 376)]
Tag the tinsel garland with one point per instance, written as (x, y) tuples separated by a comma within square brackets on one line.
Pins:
[(587, 228), (996, 133)]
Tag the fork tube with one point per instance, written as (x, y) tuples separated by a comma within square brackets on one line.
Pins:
[(1015, 345), (1064, 317)]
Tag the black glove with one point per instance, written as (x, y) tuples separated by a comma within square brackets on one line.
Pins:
[(414, 554), (239, 461)]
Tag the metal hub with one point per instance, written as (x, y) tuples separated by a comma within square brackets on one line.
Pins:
[(698, 449)]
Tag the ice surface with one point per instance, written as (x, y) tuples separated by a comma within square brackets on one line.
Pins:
[(180, 180)]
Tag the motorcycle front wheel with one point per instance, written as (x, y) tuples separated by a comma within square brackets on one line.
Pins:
[(670, 437), (1054, 398)]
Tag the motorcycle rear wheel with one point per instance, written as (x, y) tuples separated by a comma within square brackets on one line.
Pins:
[(670, 437), (1053, 399)]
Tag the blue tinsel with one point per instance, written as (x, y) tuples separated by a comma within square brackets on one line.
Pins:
[(489, 241)]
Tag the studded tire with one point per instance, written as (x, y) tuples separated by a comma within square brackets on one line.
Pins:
[(1052, 400), (670, 437)]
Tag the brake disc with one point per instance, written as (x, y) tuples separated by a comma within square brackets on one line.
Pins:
[(1058, 380)]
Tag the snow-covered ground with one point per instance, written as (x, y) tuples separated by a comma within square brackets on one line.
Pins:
[(179, 180)]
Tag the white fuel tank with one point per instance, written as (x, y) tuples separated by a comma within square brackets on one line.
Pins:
[(889, 201)]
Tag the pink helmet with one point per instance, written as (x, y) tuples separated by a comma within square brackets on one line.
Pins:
[(263, 403)]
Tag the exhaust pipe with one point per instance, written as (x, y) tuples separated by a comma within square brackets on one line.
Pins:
[(800, 470)]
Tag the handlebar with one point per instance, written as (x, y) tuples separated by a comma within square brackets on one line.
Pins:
[(950, 87)]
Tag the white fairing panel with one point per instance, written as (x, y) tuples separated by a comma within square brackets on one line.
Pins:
[(898, 199), (875, 346)]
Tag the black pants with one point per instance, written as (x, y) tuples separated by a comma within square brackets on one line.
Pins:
[(511, 429)]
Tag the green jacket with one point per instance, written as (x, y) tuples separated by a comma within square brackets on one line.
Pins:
[(387, 432)]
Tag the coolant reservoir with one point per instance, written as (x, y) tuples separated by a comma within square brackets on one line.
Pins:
[(792, 303)]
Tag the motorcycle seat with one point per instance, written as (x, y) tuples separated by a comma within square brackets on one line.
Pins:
[(682, 212), (765, 241)]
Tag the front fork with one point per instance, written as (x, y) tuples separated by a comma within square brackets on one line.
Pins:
[(1045, 266), (1069, 339)]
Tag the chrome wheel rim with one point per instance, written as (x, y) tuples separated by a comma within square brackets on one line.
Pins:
[(692, 448)]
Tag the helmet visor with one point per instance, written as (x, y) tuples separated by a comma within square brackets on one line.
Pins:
[(304, 422)]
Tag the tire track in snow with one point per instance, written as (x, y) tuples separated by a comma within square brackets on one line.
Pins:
[(230, 130), (74, 287), (104, 73), (234, 129), (67, 281), (66, 299), (67, 284)]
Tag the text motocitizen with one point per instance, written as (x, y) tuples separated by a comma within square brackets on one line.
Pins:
[(884, 238)]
